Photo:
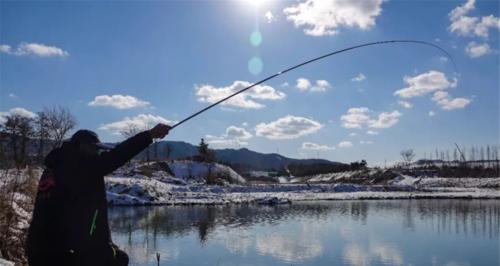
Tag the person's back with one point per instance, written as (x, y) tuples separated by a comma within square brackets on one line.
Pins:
[(70, 221)]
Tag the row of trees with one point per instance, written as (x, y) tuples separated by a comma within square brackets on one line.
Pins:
[(26, 139), (479, 162), (474, 154)]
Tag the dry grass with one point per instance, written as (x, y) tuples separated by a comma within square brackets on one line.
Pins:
[(17, 195)]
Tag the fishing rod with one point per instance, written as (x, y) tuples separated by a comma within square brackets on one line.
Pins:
[(311, 61)]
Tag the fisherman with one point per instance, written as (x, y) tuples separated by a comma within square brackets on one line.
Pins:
[(70, 219)]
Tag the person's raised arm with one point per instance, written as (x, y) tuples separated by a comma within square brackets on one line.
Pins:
[(109, 161)]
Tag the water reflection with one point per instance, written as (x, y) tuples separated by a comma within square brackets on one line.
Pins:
[(356, 255), (292, 246), (316, 233)]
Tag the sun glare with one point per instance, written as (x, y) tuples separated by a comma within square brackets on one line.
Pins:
[(256, 3)]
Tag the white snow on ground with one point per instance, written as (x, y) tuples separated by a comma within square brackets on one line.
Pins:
[(329, 177), (133, 191), (6, 262), (195, 171), (460, 182), (188, 186), (404, 180)]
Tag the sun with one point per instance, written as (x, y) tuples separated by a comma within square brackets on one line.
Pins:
[(257, 3)]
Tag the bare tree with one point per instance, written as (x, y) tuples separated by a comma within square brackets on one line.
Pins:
[(129, 131), (407, 156), (168, 150), (472, 154), (481, 156), (155, 150), (20, 130), (59, 121), (495, 157), (488, 155), (41, 133)]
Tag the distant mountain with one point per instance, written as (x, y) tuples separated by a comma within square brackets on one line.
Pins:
[(241, 159)]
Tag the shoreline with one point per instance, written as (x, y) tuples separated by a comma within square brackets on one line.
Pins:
[(291, 197)]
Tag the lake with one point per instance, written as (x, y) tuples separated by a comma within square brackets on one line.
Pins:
[(369, 232)]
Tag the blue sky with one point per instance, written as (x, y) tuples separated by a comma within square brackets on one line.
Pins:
[(119, 63)]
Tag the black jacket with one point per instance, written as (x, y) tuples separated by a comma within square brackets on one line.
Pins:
[(70, 218)]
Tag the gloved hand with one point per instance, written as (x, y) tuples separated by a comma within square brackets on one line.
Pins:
[(119, 257), (159, 131)]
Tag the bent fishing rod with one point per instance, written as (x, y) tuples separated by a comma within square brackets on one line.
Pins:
[(311, 61)]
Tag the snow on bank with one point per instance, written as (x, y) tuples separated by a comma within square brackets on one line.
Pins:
[(188, 185), (198, 172), (134, 191), (6, 262)]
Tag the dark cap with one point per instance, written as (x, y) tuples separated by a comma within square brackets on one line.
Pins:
[(88, 137)]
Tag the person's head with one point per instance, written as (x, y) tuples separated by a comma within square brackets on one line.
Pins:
[(88, 142)]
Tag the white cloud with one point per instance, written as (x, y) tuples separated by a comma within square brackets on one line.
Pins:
[(356, 117), (385, 120), (4, 48), (246, 100), (345, 144), (371, 132), (285, 84), (118, 101), (234, 136), (460, 11), (443, 59), (12, 95), (425, 83), (288, 127), (22, 112), (292, 246), (365, 142), (352, 134), (142, 122), (361, 117), (319, 17), (355, 254), (360, 77), (432, 113), (316, 147), (245, 124), (16, 111), (36, 49), (304, 84), (405, 104), (464, 25), (269, 17), (475, 50), (487, 22), (237, 133), (321, 85), (443, 99)]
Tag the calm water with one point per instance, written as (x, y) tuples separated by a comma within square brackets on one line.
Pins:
[(396, 232)]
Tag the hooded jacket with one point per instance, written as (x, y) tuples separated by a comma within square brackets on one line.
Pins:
[(70, 218)]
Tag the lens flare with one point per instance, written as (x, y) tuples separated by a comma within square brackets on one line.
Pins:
[(255, 65), (256, 38)]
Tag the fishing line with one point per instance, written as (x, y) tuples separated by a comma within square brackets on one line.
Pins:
[(311, 61)]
